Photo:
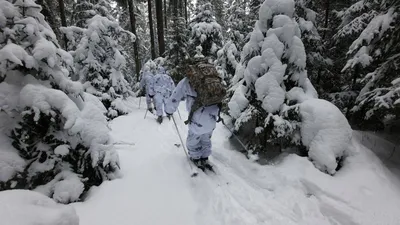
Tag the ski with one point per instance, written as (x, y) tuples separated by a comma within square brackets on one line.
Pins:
[(207, 168), (193, 169)]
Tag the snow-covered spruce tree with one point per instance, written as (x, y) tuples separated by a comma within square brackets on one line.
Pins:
[(253, 7), (57, 129), (99, 61), (85, 10), (218, 6), (274, 104), (375, 55), (206, 33), (353, 20), (338, 23), (317, 62), (229, 54), (177, 47)]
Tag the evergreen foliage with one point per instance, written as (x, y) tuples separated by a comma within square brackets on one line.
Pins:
[(59, 132), (206, 33)]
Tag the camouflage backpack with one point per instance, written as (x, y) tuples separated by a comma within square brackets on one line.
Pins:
[(205, 80)]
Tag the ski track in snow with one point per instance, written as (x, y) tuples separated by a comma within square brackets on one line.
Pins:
[(156, 187)]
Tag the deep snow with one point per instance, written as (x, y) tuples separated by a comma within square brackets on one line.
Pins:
[(156, 187)]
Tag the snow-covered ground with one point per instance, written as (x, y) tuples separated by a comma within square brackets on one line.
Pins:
[(156, 187)]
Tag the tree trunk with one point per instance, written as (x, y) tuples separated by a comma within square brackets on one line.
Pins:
[(152, 43), (165, 15), (327, 9), (63, 19), (186, 12), (160, 27), (180, 8), (175, 8), (135, 46)]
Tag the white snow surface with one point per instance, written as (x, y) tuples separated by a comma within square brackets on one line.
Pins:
[(156, 187), (22, 207)]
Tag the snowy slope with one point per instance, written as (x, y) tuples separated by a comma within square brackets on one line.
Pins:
[(157, 188), (23, 207)]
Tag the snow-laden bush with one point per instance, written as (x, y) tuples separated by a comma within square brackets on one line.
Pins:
[(273, 96), (56, 128), (99, 60), (22, 207)]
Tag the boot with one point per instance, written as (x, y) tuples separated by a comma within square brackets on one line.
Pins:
[(160, 119), (206, 164), (198, 163)]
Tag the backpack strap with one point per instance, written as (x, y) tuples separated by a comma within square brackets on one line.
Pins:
[(189, 120), (196, 105)]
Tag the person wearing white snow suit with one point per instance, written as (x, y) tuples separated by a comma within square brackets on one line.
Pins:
[(147, 82), (203, 116), (163, 87)]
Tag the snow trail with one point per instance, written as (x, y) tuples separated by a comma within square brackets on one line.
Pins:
[(156, 187)]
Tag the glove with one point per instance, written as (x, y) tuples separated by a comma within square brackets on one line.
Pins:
[(141, 93), (151, 96)]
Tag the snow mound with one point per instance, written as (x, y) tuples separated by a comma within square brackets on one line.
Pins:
[(325, 132), (21, 207)]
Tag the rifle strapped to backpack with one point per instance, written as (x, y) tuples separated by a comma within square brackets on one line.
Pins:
[(205, 80)]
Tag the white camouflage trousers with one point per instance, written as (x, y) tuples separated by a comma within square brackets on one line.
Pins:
[(199, 145)]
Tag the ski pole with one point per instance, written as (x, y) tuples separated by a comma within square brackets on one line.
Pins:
[(179, 115), (234, 135), (146, 113), (183, 145)]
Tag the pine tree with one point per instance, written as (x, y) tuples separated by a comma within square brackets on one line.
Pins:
[(229, 54), (177, 48), (58, 130), (206, 33), (272, 65), (318, 63), (99, 56), (218, 6), (100, 62), (274, 104), (374, 54)]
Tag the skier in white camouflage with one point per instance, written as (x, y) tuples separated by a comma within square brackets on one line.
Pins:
[(204, 105), (163, 87), (147, 82)]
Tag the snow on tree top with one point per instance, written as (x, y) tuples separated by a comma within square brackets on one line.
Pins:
[(378, 26), (62, 150), (45, 100), (273, 7)]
